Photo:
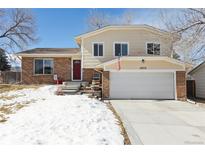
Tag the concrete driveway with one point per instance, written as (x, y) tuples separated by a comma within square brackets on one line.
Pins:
[(162, 122)]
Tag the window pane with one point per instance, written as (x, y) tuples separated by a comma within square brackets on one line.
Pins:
[(95, 49), (100, 50), (150, 48), (38, 66), (48, 66), (157, 49), (124, 50), (117, 49), (96, 76)]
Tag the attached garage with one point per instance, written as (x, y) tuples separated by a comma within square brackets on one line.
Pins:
[(144, 78), (142, 85)]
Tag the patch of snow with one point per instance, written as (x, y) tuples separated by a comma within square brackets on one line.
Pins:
[(24, 95), (71, 119)]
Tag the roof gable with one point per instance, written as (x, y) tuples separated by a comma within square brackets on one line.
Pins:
[(197, 68), (124, 27)]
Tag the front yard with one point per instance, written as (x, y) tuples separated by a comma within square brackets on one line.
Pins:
[(37, 116)]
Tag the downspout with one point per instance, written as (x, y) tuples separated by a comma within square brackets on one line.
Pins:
[(172, 47), (20, 58), (82, 66)]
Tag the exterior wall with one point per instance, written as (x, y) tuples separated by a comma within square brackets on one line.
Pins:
[(136, 39), (62, 67), (88, 74), (199, 77), (181, 85), (105, 84), (149, 64)]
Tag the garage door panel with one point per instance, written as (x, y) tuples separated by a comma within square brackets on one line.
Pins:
[(142, 85)]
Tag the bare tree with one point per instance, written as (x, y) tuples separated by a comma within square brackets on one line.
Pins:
[(128, 17), (190, 24), (97, 19), (1, 15), (17, 29), (176, 56)]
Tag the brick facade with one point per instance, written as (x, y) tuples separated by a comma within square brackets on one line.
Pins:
[(181, 85), (88, 74), (62, 67), (105, 84)]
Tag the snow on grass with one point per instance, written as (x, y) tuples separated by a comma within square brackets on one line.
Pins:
[(71, 119), (13, 87), (20, 96), (17, 96)]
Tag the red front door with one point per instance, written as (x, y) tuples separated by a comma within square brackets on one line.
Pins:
[(76, 69)]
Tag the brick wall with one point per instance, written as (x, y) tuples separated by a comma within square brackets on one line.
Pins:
[(62, 67), (88, 74), (105, 84), (181, 85)]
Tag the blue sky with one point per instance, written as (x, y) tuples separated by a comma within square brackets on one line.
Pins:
[(58, 27)]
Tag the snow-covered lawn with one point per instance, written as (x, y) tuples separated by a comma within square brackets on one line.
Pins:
[(51, 119)]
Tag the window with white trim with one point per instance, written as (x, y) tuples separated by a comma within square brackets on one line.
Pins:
[(153, 48), (43, 66), (121, 49), (98, 49)]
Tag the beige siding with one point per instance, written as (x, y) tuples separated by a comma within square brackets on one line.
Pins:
[(137, 40), (149, 64), (199, 77)]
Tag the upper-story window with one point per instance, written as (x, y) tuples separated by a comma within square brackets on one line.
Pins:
[(121, 49), (98, 49), (153, 48), (43, 66)]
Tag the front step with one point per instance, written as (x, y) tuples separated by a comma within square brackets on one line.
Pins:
[(69, 91), (70, 87)]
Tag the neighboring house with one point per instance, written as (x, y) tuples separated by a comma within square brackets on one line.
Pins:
[(198, 74), (145, 69)]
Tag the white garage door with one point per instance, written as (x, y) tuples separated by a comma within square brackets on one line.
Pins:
[(142, 85)]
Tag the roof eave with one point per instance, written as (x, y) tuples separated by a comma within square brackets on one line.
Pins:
[(196, 68), (144, 57), (115, 27), (47, 55)]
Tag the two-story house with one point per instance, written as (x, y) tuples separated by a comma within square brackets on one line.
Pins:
[(133, 61)]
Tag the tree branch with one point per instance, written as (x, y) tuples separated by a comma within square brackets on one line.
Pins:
[(19, 31)]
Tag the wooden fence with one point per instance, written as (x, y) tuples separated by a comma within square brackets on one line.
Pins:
[(191, 89), (8, 77)]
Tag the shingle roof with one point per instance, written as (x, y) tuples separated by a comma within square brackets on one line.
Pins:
[(51, 51)]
